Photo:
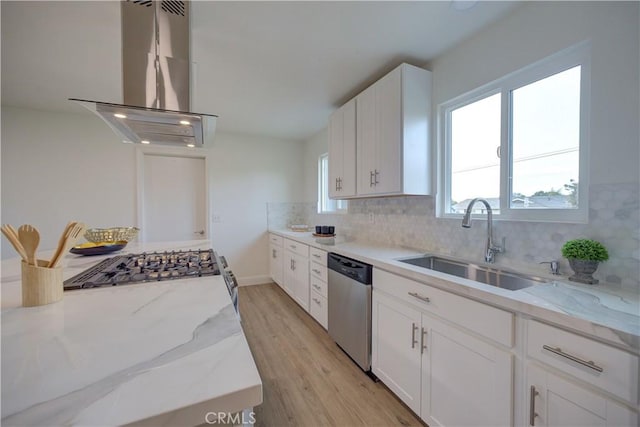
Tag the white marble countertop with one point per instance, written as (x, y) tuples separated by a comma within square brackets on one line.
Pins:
[(601, 311), (159, 354)]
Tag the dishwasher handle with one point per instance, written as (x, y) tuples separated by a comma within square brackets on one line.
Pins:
[(351, 268)]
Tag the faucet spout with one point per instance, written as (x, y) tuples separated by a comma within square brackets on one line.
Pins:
[(490, 248)]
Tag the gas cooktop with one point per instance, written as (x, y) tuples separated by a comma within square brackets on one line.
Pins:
[(147, 267)]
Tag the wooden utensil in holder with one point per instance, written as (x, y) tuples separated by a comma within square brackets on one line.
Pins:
[(40, 284)]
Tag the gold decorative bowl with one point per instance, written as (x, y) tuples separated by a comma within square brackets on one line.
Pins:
[(115, 234)]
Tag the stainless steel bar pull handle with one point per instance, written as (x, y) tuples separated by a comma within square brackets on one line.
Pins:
[(371, 179), (336, 184), (315, 270), (589, 364), (273, 253), (420, 297), (316, 286), (375, 177), (293, 264), (414, 341), (532, 405)]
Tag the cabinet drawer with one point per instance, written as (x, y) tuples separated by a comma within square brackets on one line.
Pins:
[(318, 255), (275, 239), (319, 286), (319, 309), (297, 248), (491, 322), (319, 271), (613, 370)]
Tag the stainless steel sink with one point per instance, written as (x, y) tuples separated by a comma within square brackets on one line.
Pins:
[(491, 276)]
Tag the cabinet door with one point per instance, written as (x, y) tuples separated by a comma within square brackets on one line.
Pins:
[(336, 151), (388, 141), (318, 308), (342, 151), (289, 276), (465, 381), (301, 282), (348, 178), (396, 348), (365, 141), (276, 264), (556, 402)]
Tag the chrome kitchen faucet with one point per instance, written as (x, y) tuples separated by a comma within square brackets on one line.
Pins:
[(490, 248)]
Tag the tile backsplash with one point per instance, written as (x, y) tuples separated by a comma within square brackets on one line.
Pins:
[(614, 220)]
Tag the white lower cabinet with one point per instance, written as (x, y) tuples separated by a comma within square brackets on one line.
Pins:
[(465, 381), (318, 309), (573, 380), (395, 352), (302, 274), (599, 365), (296, 271), (318, 304), (276, 259), (289, 276), (446, 375), (558, 402), (276, 264), (296, 278)]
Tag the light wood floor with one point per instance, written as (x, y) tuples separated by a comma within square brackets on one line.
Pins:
[(307, 380)]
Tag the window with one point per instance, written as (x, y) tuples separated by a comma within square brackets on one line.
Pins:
[(325, 204), (520, 143)]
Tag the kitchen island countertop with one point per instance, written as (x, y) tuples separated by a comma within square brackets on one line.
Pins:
[(165, 353)]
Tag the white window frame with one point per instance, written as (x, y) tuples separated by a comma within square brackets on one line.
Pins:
[(325, 204), (579, 54)]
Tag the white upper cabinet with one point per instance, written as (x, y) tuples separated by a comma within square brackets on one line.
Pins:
[(379, 141), (342, 152), (392, 134)]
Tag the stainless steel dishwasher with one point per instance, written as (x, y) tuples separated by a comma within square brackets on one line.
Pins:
[(350, 307)]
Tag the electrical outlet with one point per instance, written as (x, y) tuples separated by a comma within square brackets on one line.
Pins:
[(372, 218), (216, 218)]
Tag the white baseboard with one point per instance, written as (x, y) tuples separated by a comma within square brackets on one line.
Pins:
[(253, 280)]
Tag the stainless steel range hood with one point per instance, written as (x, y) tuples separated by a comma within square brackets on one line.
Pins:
[(156, 76)]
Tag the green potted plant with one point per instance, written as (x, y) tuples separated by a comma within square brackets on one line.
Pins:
[(584, 256)]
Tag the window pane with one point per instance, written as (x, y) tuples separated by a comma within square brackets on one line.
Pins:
[(325, 204), (324, 180), (545, 141), (475, 165)]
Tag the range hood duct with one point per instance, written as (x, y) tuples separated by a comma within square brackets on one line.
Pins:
[(156, 77)]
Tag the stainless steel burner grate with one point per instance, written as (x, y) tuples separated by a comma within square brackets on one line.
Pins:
[(147, 267)]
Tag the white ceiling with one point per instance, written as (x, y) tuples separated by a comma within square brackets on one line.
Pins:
[(275, 69)]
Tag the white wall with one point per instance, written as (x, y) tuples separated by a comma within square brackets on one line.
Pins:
[(59, 166), (246, 173), (539, 29)]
